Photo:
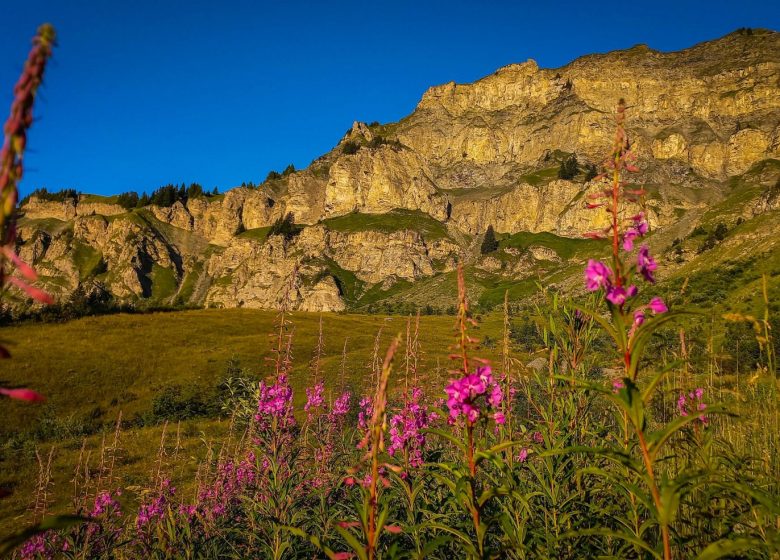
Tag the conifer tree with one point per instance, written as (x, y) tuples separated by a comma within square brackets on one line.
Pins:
[(489, 243)]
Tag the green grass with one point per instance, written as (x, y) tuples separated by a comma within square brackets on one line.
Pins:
[(92, 369), (541, 176), (164, 283), (350, 286), (565, 247), (396, 220), (256, 234), (49, 225), (87, 260), (98, 199)]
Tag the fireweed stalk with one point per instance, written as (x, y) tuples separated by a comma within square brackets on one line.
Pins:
[(372, 520), (472, 399), (11, 171), (632, 321)]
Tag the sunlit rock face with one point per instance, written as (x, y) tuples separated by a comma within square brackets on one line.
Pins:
[(405, 201)]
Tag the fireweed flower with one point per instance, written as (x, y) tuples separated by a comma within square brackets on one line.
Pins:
[(618, 294), (157, 507), (340, 408), (522, 455), (106, 503), (275, 403), (366, 410), (693, 403), (597, 275), (645, 264), (22, 394), (467, 394), (657, 306), (407, 429), (639, 229), (617, 385), (314, 398)]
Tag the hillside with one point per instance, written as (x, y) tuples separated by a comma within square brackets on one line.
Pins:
[(391, 209)]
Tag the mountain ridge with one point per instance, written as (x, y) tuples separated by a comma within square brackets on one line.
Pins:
[(397, 205)]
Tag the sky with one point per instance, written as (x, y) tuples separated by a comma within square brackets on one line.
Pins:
[(144, 93)]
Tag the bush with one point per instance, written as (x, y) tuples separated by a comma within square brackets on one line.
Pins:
[(569, 168), (273, 176), (350, 147), (285, 226), (720, 231), (177, 403)]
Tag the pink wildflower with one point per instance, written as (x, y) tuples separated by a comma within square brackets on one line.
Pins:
[(618, 294), (314, 398), (645, 264), (464, 395), (693, 403), (22, 394), (522, 455), (597, 275), (657, 306)]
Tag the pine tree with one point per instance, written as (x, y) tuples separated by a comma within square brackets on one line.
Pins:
[(489, 243)]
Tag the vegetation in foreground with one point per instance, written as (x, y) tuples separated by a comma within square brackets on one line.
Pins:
[(598, 451)]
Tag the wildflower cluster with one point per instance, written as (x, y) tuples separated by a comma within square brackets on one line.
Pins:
[(340, 408), (474, 395), (407, 429), (274, 404), (157, 507), (693, 403)]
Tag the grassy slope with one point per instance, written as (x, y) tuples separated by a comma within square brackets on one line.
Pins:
[(99, 366), (396, 220)]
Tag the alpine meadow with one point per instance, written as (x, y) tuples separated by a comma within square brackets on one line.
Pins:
[(534, 318)]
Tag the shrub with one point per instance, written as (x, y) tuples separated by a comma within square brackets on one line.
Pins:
[(285, 226), (569, 168), (590, 172), (350, 147)]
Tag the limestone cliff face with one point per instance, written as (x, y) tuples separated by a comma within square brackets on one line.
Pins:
[(469, 156), (715, 106), (378, 180)]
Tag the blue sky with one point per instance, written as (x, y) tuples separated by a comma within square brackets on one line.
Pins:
[(145, 93)]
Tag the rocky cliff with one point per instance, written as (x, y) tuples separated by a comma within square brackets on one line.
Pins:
[(389, 211)]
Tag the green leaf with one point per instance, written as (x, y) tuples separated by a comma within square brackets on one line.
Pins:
[(615, 535), (656, 439), (352, 541), (727, 547), (642, 336), (448, 436), (647, 392)]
